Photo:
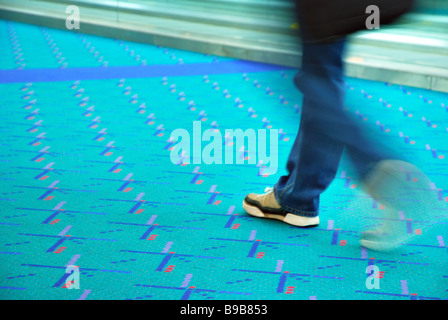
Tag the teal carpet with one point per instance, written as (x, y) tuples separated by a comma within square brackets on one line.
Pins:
[(87, 179)]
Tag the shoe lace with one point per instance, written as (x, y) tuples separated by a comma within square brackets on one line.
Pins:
[(267, 198), (267, 190)]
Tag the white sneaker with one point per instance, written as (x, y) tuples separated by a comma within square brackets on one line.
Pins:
[(266, 206)]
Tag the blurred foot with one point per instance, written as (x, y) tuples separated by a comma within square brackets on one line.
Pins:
[(389, 236), (266, 206), (404, 199)]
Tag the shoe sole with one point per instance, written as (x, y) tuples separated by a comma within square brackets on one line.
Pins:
[(289, 218), (378, 246)]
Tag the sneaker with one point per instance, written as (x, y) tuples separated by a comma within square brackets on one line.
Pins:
[(389, 235), (266, 206), (378, 240), (403, 199)]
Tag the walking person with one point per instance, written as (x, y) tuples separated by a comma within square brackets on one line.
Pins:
[(325, 131)]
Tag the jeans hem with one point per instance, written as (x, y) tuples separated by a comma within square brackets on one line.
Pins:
[(306, 214)]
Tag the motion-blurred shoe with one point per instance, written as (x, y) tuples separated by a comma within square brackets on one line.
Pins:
[(266, 206), (404, 199)]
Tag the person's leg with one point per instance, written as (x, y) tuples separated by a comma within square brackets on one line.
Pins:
[(315, 155), (325, 129)]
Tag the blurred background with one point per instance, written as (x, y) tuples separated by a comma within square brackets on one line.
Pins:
[(412, 52)]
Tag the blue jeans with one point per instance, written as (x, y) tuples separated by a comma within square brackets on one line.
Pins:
[(325, 131)]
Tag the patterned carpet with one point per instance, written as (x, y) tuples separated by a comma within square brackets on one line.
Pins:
[(87, 179)]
